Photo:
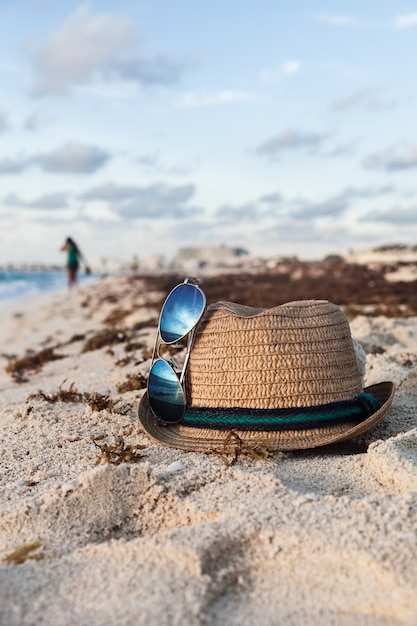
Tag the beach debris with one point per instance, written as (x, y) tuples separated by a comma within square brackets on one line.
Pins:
[(76, 337), (135, 345), (132, 382), (95, 400), (117, 315), (69, 485), (105, 337), (25, 553), (31, 483), (31, 361), (152, 323), (62, 395), (118, 452), (147, 354), (234, 446), (175, 466), (123, 361)]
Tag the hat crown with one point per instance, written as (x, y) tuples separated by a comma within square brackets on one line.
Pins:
[(298, 354)]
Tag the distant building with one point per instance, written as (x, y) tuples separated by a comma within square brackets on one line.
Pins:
[(384, 255), (208, 254)]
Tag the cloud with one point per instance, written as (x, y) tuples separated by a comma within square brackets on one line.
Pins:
[(71, 158), (331, 207), (32, 122), (272, 198), (157, 71), (90, 46), (340, 203), (154, 201), (47, 202), (14, 166), (291, 140), (192, 99), (153, 162), (247, 212), (395, 158), (337, 19), (289, 231), (74, 158), (4, 124), (406, 20), (367, 99), (298, 211), (287, 68), (291, 67), (397, 215)]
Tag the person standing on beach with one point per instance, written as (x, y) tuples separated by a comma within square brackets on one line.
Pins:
[(135, 264), (74, 256)]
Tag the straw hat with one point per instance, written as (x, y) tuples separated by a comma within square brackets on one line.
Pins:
[(287, 377)]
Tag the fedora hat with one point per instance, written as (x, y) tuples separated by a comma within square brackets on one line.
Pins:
[(287, 377)]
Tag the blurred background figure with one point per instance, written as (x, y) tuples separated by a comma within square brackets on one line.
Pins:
[(135, 264), (74, 258), (103, 268)]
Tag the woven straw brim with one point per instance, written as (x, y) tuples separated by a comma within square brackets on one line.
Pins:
[(208, 440)]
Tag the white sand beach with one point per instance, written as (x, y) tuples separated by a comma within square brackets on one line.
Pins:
[(323, 536)]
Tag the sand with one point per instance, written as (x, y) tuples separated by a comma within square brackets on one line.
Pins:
[(326, 536)]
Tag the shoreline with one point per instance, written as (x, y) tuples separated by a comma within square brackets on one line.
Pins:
[(310, 537), (7, 302)]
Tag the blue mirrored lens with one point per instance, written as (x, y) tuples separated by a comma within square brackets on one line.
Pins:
[(181, 312), (165, 393)]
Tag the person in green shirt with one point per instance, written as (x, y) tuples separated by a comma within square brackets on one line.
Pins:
[(74, 257)]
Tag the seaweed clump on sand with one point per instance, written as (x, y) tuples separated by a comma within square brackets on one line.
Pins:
[(98, 402), (25, 552), (95, 400), (31, 361), (105, 337), (62, 395), (118, 452), (133, 382), (234, 446)]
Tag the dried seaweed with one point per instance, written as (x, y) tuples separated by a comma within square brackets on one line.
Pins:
[(24, 553), (152, 323), (32, 361), (117, 315), (123, 361), (62, 395), (105, 337), (133, 382), (234, 446), (19, 378), (147, 354), (76, 337), (118, 452), (97, 402), (134, 345)]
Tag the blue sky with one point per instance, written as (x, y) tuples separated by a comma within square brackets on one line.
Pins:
[(139, 127)]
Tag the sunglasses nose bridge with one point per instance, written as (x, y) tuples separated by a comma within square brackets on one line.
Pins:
[(157, 347)]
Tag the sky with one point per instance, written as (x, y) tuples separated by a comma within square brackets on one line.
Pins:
[(138, 127)]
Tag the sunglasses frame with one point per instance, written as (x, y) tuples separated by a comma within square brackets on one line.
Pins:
[(159, 341)]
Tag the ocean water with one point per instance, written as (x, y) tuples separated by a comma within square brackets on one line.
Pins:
[(18, 285)]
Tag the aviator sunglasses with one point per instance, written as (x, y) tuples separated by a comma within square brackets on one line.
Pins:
[(179, 316)]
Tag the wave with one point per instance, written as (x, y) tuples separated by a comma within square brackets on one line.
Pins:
[(18, 285)]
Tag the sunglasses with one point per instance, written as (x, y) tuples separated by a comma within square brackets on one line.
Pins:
[(179, 316)]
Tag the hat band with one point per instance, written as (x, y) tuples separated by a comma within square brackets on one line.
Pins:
[(356, 410)]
